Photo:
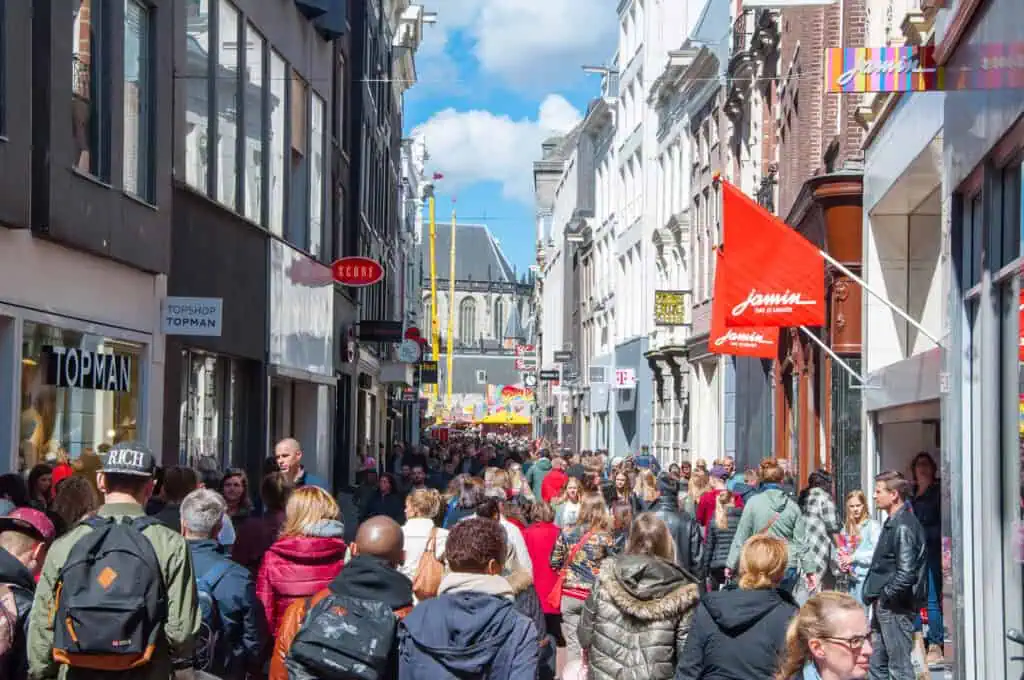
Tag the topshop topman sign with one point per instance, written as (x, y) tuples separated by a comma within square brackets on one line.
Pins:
[(192, 316), (76, 367)]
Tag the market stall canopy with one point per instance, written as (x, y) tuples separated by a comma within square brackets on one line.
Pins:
[(504, 419)]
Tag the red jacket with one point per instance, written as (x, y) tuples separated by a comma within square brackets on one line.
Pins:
[(296, 567), (706, 506), (540, 540), (554, 482)]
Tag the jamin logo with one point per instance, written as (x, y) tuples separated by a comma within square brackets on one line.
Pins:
[(772, 303), (742, 339)]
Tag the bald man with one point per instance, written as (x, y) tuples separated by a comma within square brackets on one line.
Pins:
[(288, 453), (370, 576)]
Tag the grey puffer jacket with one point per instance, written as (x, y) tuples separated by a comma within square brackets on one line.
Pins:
[(635, 622)]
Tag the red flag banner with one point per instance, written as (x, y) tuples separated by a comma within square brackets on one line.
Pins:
[(771, 275), (754, 341)]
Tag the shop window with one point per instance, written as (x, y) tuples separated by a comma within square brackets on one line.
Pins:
[(252, 165), (211, 410), (138, 106), (846, 429), (90, 95), (79, 394), (227, 97)]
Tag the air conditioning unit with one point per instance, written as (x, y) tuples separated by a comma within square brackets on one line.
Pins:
[(597, 374)]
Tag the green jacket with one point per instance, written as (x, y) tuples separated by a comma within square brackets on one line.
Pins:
[(535, 475), (183, 617), (758, 512)]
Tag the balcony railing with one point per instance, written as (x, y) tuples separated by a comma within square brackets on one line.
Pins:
[(742, 31)]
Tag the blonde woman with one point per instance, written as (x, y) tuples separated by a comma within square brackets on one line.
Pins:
[(421, 507), (517, 481), (306, 556), (741, 633), (645, 488), (567, 505), (828, 640), (700, 483), (721, 531), (856, 544)]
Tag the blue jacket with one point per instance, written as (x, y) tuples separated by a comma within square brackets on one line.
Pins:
[(467, 636), (245, 625), (309, 479)]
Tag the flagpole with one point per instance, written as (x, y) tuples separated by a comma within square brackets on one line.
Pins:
[(881, 298), (451, 319), (835, 357)]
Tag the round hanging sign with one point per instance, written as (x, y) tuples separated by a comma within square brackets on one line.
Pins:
[(410, 352), (357, 271)]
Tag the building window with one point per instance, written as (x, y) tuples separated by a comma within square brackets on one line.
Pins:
[(298, 170), (318, 176), (227, 97), (197, 96), (138, 109), (499, 319), (255, 47), (467, 321), (211, 416), (79, 393), (90, 110), (278, 140)]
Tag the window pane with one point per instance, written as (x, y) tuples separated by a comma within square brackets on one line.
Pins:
[(254, 45), (89, 117), (227, 104), (277, 142), (977, 229), (137, 108), (197, 95), (316, 189)]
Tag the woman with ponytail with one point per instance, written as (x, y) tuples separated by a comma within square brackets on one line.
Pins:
[(828, 640), (739, 634)]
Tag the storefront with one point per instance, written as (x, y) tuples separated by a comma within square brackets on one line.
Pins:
[(671, 394), (81, 360), (302, 381), (817, 414), (631, 406), (982, 441), (599, 376)]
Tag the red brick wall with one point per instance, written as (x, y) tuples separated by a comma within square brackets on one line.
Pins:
[(809, 120)]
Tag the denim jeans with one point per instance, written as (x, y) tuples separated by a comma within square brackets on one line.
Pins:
[(936, 626), (892, 637)]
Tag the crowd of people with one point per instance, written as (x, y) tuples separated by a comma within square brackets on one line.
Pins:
[(466, 559)]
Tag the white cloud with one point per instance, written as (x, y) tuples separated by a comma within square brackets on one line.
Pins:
[(480, 146), (529, 44)]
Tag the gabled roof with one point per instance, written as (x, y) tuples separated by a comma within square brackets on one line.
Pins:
[(478, 257)]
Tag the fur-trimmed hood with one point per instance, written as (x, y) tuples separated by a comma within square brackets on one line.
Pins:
[(648, 588)]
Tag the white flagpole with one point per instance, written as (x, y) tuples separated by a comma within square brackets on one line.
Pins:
[(835, 357), (881, 298)]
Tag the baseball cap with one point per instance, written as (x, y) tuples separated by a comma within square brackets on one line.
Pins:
[(29, 521), (130, 458), (718, 472)]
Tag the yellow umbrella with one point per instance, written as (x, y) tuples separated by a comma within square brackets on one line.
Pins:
[(504, 418)]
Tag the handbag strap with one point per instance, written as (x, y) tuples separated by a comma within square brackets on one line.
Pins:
[(431, 542), (575, 549), (768, 527)]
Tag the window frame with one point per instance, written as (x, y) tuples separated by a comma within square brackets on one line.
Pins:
[(262, 218), (315, 99), (214, 190), (100, 95), (145, 166)]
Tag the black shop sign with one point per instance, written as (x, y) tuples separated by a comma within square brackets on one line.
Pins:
[(80, 368)]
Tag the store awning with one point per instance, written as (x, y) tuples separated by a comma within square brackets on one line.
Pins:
[(504, 418)]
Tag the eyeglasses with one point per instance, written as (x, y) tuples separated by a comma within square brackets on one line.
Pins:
[(854, 642)]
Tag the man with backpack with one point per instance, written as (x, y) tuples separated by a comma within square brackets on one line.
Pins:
[(232, 637), (117, 595), (25, 535), (366, 601)]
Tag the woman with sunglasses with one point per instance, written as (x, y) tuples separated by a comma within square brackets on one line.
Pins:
[(828, 640)]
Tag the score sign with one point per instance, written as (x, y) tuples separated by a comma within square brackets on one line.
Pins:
[(357, 271), (625, 378)]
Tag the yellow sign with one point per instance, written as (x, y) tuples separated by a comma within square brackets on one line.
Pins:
[(670, 308)]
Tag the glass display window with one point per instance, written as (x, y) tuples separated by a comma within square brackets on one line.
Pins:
[(210, 421), (79, 393)]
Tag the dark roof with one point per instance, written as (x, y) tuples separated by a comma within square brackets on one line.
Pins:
[(498, 370), (478, 257), (514, 328)]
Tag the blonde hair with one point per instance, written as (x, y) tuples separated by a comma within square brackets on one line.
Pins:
[(564, 496), (812, 621), (649, 536), (500, 480), (423, 503), (516, 481), (593, 513), (852, 527), (726, 499), (763, 562), (306, 506), (489, 474), (700, 481), (646, 486)]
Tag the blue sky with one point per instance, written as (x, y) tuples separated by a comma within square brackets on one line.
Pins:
[(495, 78)]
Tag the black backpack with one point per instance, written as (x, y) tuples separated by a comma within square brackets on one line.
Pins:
[(110, 598), (344, 637)]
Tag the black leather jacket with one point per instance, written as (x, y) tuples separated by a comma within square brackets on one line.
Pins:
[(897, 578), (685, 532)]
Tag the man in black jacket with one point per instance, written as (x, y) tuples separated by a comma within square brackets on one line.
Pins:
[(684, 529), (25, 535), (896, 586)]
